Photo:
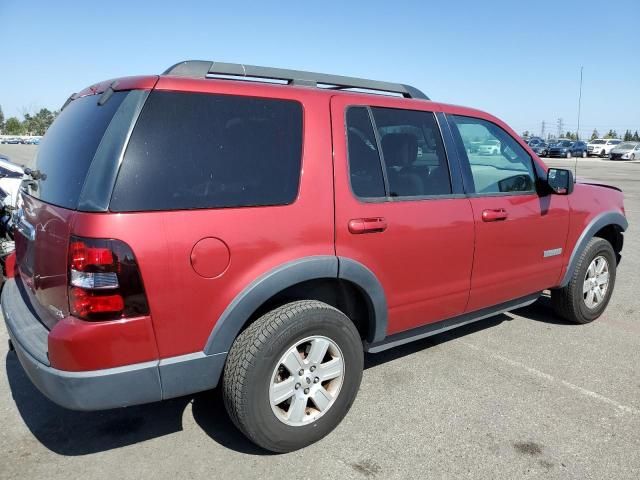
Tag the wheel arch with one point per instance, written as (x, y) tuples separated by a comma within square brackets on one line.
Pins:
[(607, 225), (343, 283)]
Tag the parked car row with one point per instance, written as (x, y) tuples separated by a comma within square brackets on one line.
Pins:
[(21, 140), (612, 148)]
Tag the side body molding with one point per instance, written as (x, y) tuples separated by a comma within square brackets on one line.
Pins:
[(599, 222)]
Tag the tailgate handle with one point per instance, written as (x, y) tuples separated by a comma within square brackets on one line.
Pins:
[(367, 225), (494, 215)]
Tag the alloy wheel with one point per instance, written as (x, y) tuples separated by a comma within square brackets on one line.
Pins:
[(596, 282), (306, 381)]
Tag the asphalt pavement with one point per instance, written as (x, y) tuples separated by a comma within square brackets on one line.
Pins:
[(520, 395)]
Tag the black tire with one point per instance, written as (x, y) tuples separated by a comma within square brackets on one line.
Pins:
[(254, 356), (568, 302), (633, 156)]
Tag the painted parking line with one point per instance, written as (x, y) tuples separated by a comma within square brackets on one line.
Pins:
[(551, 379)]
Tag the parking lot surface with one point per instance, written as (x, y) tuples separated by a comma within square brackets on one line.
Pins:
[(521, 395)]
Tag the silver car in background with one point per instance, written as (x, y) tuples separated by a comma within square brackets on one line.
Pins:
[(626, 151)]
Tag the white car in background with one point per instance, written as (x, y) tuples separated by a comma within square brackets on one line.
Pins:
[(602, 146), (489, 147)]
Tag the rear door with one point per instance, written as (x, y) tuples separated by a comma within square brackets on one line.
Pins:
[(398, 212), (520, 235)]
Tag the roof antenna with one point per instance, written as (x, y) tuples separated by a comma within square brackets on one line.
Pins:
[(575, 168)]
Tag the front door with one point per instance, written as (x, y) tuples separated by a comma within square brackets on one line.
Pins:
[(520, 235), (396, 210)]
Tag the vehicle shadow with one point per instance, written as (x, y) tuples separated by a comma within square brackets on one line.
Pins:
[(72, 433)]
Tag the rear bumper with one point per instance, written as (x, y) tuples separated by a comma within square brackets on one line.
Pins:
[(105, 388)]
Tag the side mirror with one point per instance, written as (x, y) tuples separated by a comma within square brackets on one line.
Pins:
[(560, 181)]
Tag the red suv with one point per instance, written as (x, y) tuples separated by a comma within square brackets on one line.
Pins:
[(193, 229)]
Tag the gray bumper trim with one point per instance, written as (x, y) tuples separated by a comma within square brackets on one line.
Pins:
[(107, 388)]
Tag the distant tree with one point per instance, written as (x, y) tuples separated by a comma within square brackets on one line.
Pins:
[(636, 137), (1, 120), (38, 123), (611, 134), (595, 134), (571, 135), (627, 136), (13, 126), (526, 134)]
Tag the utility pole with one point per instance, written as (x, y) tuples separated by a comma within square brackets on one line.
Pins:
[(579, 104), (560, 127), (542, 130)]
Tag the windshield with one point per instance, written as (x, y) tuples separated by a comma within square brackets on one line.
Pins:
[(626, 146), (598, 142), (565, 143), (615, 142)]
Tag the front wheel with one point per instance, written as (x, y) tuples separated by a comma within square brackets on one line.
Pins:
[(584, 154), (292, 375), (568, 154), (588, 292)]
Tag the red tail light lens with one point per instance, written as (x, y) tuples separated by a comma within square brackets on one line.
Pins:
[(104, 280)]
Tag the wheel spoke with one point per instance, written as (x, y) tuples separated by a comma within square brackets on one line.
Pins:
[(319, 347), (282, 391), (330, 370), (589, 300), (293, 361), (603, 278), (600, 264), (297, 409), (591, 272), (586, 286), (321, 398), (598, 294)]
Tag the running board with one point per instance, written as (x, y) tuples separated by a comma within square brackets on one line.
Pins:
[(444, 325)]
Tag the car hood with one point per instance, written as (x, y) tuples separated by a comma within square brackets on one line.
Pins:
[(595, 183), (622, 150)]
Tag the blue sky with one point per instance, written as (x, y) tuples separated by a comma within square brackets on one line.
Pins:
[(518, 61)]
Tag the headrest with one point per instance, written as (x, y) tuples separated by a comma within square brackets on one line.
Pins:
[(400, 149)]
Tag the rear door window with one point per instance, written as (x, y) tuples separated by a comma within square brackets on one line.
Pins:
[(193, 150), (67, 150)]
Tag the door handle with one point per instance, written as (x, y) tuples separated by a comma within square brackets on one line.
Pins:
[(367, 225), (494, 215)]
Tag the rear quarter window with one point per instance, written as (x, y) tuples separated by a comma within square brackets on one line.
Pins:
[(192, 150)]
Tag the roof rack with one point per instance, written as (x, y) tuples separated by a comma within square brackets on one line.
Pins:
[(204, 69)]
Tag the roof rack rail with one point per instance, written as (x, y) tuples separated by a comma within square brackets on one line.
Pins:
[(202, 69)]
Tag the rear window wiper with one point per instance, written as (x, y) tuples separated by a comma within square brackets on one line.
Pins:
[(35, 174)]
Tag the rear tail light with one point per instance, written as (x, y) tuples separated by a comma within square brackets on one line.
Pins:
[(104, 280)]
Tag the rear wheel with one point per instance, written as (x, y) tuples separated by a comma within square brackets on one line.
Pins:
[(291, 377), (589, 290), (633, 156)]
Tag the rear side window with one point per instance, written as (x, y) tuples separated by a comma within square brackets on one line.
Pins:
[(68, 148), (413, 161), (192, 150), (365, 169)]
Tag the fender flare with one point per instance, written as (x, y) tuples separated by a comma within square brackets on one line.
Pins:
[(269, 284), (596, 224)]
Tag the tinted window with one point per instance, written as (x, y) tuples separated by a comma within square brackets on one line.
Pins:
[(365, 170), (413, 152), (66, 152), (208, 151), (506, 169)]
